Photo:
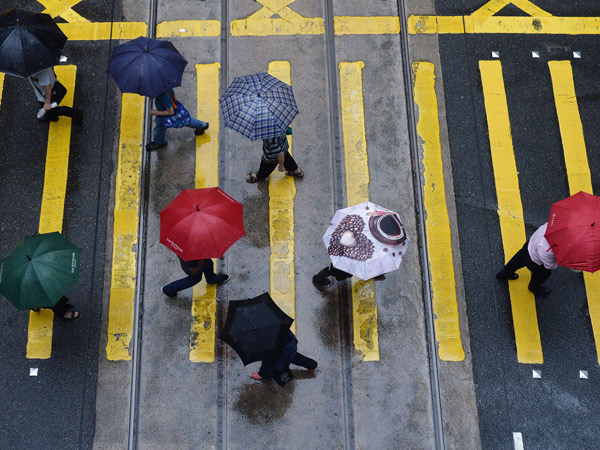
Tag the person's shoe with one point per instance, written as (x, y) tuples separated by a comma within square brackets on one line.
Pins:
[(256, 376), (200, 131), (223, 279), (379, 277), (168, 295), (504, 276), (321, 281), (542, 291), (313, 369), (152, 146)]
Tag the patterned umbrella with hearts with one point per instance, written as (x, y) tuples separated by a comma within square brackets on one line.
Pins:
[(366, 240)]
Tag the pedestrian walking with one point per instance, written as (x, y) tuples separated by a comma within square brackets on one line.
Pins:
[(170, 113), (278, 367), (63, 309), (50, 92), (538, 257), (275, 154), (194, 270)]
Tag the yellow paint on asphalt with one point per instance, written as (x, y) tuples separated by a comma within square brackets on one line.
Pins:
[(39, 335), (578, 169), (204, 303), (188, 28), (63, 9), (510, 211), (485, 20), (366, 25), (95, 31), (282, 191), (1, 87), (125, 233), (288, 22), (364, 307), (439, 241)]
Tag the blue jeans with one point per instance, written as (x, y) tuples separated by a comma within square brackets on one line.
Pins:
[(191, 280), (160, 132)]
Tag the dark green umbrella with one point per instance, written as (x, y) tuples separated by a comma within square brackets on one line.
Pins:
[(39, 270)]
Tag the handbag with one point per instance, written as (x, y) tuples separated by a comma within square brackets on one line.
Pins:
[(180, 119), (58, 92)]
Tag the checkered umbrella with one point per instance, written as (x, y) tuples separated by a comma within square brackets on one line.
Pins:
[(258, 106)]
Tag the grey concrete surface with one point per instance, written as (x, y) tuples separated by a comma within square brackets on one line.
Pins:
[(457, 389), (188, 405)]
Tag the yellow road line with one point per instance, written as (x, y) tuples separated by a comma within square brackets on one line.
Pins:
[(510, 211), (504, 25), (189, 28), (578, 170), (204, 303), (1, 86), (95, 31), (125, 233), (282, 191), (439, 242), (289, 22), (63, 9), (364, 307), (366, 25), (494, 6), (39, 339)]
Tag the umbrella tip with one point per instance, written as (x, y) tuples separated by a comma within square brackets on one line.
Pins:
[(146, 49), (28, 257), (18, 21), (197, 209), (593, 223)]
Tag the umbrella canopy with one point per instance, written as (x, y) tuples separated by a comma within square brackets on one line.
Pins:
[(39, 270), (366, 240), (258, 106), (573, 232), (256, 328), (29, 42), (146, 66), (201, 223)]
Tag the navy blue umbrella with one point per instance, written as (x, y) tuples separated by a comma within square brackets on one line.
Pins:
[(146, 66), (29, 42)]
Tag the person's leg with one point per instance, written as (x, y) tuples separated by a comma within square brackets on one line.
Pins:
[(173, 288), (198, 125), (289, 163), (65, 111), (160, 132), (265, 169), (208, 269), (322, 278), (61, 307), (304, 361), (267, 370), (520, 259), (539, 274)]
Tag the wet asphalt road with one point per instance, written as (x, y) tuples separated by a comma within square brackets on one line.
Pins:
[(56, 409), (558, 411)]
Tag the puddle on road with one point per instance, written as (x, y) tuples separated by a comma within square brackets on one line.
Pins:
[(264, 403)]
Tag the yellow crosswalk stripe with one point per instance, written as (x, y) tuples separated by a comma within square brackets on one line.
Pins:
[(578, 170), (510, 210), (364, 307), (204, 303), (125, 232), (39, 339), (366, 25), (95, 31), (439, 242), (188, 28), (1, 86), (282, 190)]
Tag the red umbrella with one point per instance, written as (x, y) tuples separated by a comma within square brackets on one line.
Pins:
[(574, 232), (201, 223)]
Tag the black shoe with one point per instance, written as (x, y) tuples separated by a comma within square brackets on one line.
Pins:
[(542, 291), (222, 279), (321, 281), (504, 276), (168, 295), (200, 131), (154, 146), (379, 278)]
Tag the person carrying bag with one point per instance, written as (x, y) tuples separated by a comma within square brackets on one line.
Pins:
[(50, 92)]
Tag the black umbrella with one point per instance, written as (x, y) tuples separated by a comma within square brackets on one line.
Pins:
[(256, 328), (29, 42)]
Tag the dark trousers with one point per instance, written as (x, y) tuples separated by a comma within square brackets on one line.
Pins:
[(267, 167), (267, 368), (322, 277), (539, 273), (179, 285), (58, 111)]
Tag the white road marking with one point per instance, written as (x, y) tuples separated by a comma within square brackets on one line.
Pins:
[(537, 373), (518, 441)]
